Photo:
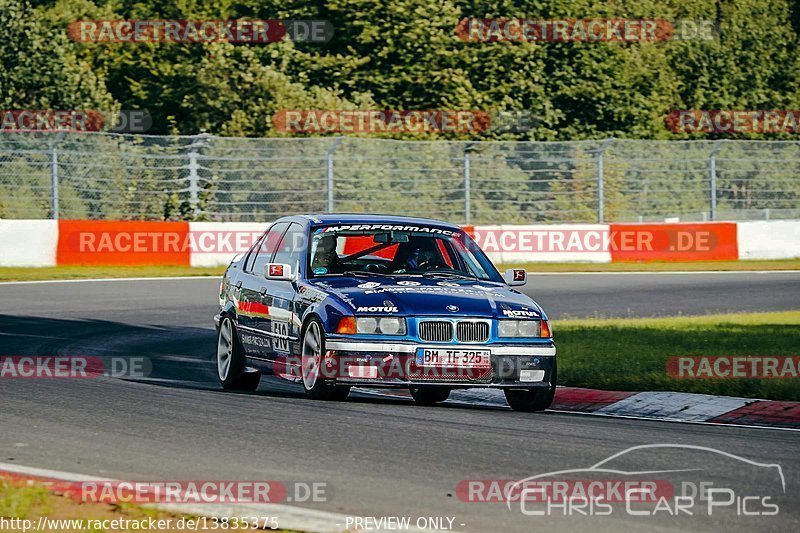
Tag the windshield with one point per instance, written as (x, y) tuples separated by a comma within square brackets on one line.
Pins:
[(397, 251)]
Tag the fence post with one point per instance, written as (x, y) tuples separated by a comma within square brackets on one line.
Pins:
[(194, 200), (54, 180), (467, 185), (194, 178), (194, 190), (712, 179), (600, 171), (329, 173), (54, 202)]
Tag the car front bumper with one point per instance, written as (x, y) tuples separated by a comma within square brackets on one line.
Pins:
[(395, 364)]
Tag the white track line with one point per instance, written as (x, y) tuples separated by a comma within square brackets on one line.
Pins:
[(530, 272), (92, 280), (664, 273), (289, 517)]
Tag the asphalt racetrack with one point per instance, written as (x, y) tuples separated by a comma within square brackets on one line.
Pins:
[(377, 456)]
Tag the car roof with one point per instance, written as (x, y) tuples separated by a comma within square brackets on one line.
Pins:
[(362, 218)]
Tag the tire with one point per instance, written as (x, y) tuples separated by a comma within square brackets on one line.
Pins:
[(429, 395), (312, 350), (231, 361), (532, 400)]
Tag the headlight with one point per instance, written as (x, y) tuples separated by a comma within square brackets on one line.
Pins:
[(366, 325), (519, 328), (371, 325), (392, 326)]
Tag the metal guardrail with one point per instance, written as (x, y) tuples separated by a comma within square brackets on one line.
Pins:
[(111, 176)]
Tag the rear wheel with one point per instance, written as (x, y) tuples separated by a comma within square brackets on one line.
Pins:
[(231, 361), (531, 400), (311, 361), (430, 395)]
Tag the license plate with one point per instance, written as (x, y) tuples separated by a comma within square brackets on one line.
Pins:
[(454, 358)]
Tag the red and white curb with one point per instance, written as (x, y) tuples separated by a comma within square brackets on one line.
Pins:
[(288, 517), (671, 406), (680, 406)]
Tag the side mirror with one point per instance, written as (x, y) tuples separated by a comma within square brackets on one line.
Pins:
[(278, 271), (516, 276)]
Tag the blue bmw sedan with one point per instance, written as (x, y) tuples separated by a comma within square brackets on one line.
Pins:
[(335, 301)]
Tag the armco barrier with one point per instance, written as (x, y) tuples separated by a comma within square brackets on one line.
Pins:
[(709, 241), (109, 242), (774, 239), (216, 243), (89, 242), (28, 243), (605, 243), (556, 243)]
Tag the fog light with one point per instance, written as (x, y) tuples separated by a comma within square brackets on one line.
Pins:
[(531, 375), (362, 371)]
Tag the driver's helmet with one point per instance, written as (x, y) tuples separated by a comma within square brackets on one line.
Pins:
[(325, 253), (419, 252)]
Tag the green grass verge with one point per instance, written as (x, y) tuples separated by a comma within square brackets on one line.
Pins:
[(776, 264), (86, 272), (631, 354), (20, 501), (24, 501)]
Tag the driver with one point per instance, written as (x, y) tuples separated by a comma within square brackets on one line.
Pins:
[(420, 254), (325, 256)]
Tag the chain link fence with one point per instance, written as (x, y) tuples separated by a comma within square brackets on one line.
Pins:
[(109, 176)]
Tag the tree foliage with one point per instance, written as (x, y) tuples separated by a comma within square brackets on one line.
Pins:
[(405, 54)]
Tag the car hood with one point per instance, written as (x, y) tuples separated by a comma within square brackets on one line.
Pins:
[(426, 296)]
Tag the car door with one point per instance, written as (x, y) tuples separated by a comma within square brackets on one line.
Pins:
[(254, 304), (279, 323)]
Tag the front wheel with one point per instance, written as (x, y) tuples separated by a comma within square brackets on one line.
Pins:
[(531, 400), (231, 361), (429, 395), (311, 361)]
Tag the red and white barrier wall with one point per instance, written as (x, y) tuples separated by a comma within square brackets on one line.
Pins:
[(607, 243), (93, 242), (28, 242)]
